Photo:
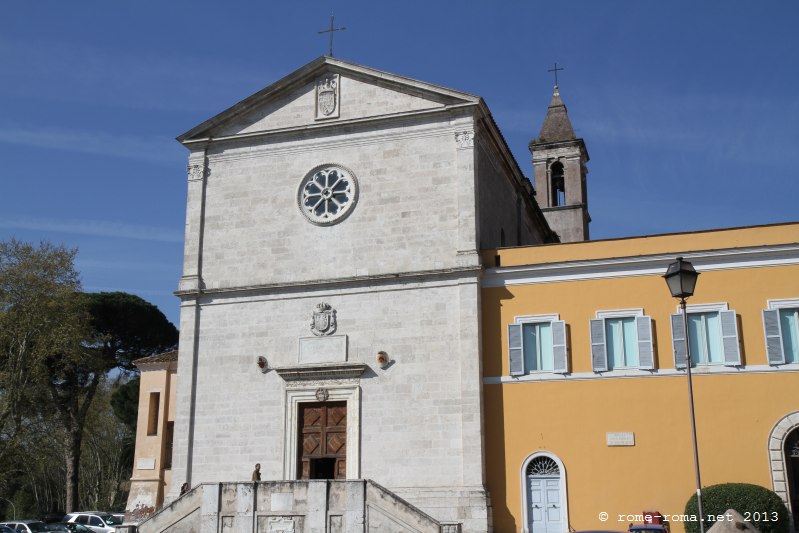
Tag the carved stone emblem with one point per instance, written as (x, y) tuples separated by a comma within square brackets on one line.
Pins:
[(465, 139), (327, 96), (324, 320), (195, 172), (281, 524), (322, 395)]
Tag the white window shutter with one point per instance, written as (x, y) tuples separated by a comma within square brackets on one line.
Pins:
[(515, 349), (599, 353), (646, 351), (678, 341), (729, 338), (559, 348), (773, 331)]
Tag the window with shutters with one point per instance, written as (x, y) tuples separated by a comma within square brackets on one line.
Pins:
[(537, 343), (712, 336), (621, 339), (781, 327)]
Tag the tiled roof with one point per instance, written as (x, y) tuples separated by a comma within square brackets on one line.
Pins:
[(557, 126), (166, 357)]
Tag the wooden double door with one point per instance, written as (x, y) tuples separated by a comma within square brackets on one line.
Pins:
[(323, 440)]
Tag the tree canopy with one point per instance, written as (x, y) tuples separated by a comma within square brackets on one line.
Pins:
[(58, 349)]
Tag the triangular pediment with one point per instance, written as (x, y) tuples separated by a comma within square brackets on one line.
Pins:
[(327, 91)]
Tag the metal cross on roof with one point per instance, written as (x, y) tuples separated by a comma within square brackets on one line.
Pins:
[(555, 70), (330, 31)]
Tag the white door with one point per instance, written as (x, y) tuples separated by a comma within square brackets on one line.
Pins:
[(544, 505)]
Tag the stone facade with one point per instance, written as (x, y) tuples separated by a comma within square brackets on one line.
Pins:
[(435, 183)]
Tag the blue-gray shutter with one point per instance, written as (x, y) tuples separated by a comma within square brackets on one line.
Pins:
[(646, 351), (515, 349), (729, 338), (773, 330), (599, 353), (678, 341), (559, 348)]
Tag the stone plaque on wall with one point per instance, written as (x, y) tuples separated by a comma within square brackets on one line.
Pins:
[(145, 463), (282, 501), (330, 349), (620, 438)]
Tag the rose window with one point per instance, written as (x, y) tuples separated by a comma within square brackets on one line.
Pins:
[(327, 194)]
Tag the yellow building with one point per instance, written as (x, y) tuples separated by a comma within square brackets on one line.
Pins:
[(155, 427), (585, 412)]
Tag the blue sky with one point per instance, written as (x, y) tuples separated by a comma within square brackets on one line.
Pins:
[(689, 110)]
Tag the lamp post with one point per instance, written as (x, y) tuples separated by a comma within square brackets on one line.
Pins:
[(13, 507), (681, 279)]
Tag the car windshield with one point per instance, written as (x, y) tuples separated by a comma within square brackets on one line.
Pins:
[(110, 519), (36, 527)]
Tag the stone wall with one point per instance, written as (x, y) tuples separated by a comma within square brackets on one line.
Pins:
[(360, 506)]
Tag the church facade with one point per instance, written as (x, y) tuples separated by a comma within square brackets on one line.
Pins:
[(364, 260)]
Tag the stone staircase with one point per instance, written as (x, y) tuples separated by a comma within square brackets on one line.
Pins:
[(323, 506)]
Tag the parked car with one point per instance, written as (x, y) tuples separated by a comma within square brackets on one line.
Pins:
[(97, 522), (68, 526), (5, 529), (26, 526)]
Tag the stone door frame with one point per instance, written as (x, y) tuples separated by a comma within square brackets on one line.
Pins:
[(776, 451), (307, 393)]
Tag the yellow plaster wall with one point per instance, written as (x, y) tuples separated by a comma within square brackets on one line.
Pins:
[(162, 380), (570, 418), (735, 415)]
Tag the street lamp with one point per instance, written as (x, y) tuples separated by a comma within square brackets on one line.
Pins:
[(681, 279), (13, 507)]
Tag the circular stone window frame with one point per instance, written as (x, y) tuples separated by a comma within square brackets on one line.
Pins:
[(346, 210)]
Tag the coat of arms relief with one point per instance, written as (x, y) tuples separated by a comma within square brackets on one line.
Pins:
[(324, 320), (327, 97)]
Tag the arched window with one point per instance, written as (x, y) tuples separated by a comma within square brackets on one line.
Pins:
[(543, 466), (558, 184)]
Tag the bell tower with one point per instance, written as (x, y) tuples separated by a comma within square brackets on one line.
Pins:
[(559, 166)]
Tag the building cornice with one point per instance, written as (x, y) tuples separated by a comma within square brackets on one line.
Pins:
[(454, 273), (336, 126), (646, 265), (714, 370)]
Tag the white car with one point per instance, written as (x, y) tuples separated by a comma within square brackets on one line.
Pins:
[(97, 522), (25, 526)]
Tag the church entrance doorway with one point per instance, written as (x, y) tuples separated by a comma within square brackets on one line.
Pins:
[(322, 441)]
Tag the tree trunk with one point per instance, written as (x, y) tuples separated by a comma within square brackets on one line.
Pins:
[(72, 460)]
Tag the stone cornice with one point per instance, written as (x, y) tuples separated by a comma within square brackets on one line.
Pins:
[(326, 371), (444, 273), (337, 125)]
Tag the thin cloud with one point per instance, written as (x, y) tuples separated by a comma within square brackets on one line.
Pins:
[(156, 150), (94, 228), (74, 72)]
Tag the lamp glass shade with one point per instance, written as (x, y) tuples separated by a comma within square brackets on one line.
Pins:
[(681, 278)]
